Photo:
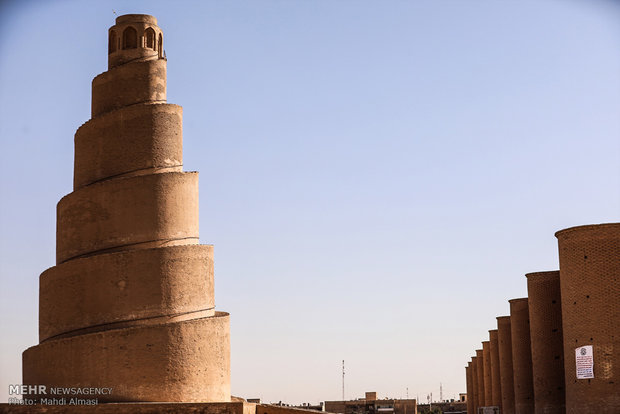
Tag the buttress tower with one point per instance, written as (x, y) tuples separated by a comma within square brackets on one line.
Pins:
[(130, 302)]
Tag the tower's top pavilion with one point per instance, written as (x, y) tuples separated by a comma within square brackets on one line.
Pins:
[(134, 37)]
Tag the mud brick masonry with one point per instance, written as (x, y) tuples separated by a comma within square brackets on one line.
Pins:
[(566, 312)]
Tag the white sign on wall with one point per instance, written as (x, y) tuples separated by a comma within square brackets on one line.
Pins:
[(584, 359)]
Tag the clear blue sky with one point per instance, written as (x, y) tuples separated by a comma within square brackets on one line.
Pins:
[(376, 177)]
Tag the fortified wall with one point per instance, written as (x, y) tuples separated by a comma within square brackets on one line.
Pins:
[(559, 350), (130, 302)]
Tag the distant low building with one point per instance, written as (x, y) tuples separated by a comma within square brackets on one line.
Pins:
[(371, 405), (447, 407), (308, 406)]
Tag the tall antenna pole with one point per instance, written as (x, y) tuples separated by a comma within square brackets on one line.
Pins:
[(343, 380), (440, 392)]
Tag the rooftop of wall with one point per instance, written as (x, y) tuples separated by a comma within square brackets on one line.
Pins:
[(136, 18), (517, 300), (588, 228), (137, 408), (503, 318), (492, 330), (549, 274)]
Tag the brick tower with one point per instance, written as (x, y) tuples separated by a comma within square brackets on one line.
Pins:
[(480, 376), (130, 304), (474, 383), (486, 369), (504, 345), (470, 390), (496, 389), (543, 292), (590, 287), (521, 356)]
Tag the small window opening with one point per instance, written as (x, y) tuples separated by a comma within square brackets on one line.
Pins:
[(150, 38), (112, 42), (130, 38), (160, 46)]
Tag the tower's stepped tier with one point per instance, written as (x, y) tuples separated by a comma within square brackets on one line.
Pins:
[(143, 286), (180, 361), (134, 140), (128, 213), (129, 84)]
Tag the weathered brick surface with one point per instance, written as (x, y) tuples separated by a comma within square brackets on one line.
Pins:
[(488, 385), (504, 340), (521, 356), (474, 383), (590, 289), (496, 390), (480, 373), (470, 392), (543, 291)]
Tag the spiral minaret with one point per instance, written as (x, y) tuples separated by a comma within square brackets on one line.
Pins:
[(130, 302)]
